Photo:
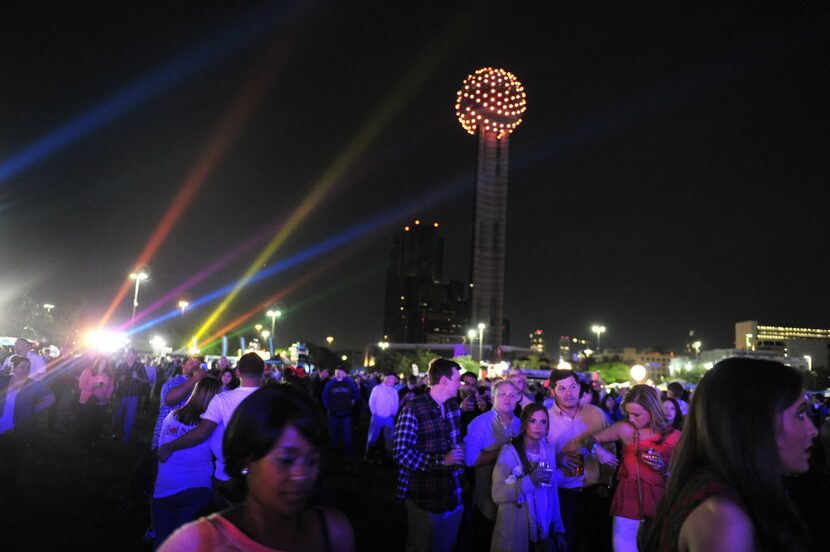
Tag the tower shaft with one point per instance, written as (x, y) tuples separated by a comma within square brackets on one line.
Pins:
[(489, 234)]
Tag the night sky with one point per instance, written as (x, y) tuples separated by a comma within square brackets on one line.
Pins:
[(671, 172)]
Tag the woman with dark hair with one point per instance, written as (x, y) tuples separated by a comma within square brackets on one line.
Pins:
[(228, 379), (96, 386), (609, 405), (184, 484), (748, 427), (524, 488), (272, 452), (671, 408), (648, 441)]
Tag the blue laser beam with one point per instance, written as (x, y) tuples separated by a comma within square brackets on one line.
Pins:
[(455, 187), (194, 60)]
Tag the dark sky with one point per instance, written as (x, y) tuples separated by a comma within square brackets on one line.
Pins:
[(671, 172)]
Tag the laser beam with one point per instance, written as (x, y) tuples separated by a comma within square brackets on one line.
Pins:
[(194, 60), (228, 129), (406, 209), (376, 122)]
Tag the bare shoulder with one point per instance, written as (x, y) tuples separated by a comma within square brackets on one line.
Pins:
[(197, 535), (340, 530), (718, 524), (593, 414)]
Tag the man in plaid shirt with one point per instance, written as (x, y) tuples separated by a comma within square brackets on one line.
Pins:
[(427, 449)]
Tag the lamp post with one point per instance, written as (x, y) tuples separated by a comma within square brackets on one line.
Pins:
[(273, 314), (638, 372), (481, 327), (158, 344), (471, 335), (599, 330), (183, 305), (329, 340), (138, 277)]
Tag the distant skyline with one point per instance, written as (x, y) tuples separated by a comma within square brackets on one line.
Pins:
[(670, 173)]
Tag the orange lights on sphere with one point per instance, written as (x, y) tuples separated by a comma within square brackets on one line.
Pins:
[(493, 99)]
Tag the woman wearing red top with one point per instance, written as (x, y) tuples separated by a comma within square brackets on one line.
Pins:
[(647, 444), (96, 386)]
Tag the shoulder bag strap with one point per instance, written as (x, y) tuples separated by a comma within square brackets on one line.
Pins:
[(637, 471)]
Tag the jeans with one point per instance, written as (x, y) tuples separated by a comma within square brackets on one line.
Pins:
[(91, 419), (340, 430), (381, 427), (429, 532), (125, 413), (585, 516), (171, 512)]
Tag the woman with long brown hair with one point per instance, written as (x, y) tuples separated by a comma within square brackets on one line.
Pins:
[(524, 488), (747, 427), (184, 482), (647, 444)]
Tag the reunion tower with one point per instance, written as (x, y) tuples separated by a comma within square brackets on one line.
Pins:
[(491, 103)]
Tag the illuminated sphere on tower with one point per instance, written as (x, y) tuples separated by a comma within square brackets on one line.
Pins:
[(492, 99)]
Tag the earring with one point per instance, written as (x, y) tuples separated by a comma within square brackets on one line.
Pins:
[(244, 471)]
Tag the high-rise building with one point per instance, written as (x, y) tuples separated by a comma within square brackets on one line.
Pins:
[(490, 104), (570, 348), (420, 306), (537, 341), (810, 344)]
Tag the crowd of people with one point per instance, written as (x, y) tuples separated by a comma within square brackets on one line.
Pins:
[(498, 463)]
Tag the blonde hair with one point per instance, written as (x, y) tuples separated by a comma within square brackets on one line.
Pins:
[(647, 397)]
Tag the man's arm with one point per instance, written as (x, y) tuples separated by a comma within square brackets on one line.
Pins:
[(175, 395), (140, 374), (403, 445), (475, 453), (189, 439), (45, 402), (373, 399), (327, 394)]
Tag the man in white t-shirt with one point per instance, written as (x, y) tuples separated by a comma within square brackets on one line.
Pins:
[(250, 369), (383, 404)]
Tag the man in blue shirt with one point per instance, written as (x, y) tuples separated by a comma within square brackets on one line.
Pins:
[(486, 434), (339, 396)]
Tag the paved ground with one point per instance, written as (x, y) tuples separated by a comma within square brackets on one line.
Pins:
[(78, 499)]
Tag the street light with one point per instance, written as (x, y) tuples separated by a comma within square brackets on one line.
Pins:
[(599, 330), (481, 326), (273, 315), (265, 334), (158, 344), (638, 372), (329, 340), (183, 305), (258, 327), (48, 307), (138, 277)]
